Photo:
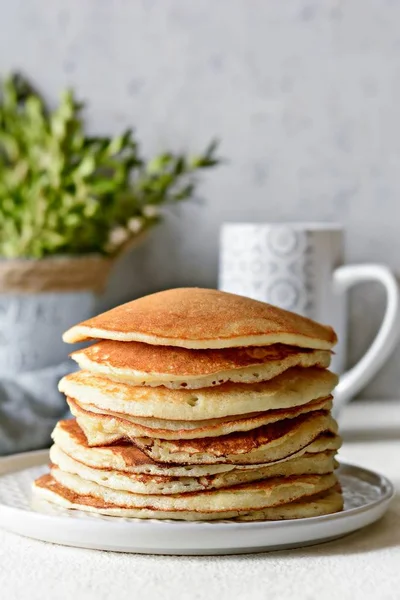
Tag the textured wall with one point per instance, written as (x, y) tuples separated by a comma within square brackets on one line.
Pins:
[(304, 94)]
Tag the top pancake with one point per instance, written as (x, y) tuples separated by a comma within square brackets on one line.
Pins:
[(201, 319)]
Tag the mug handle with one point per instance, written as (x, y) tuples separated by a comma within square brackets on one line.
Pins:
[(353, 380)]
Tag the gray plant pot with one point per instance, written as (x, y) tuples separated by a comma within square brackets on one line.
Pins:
[(39, 300), (31, 328)]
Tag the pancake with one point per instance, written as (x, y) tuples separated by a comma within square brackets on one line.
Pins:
[(262, 445), (103, 428), (128, 458), (146, 365), (295, 387), (46, 488), (309, 464), (202, 318), (213, 504), (325, 503)]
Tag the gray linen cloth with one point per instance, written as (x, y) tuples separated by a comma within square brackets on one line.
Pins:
[(30, 406)]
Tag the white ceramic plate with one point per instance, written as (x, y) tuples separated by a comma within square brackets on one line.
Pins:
[(367, 496)]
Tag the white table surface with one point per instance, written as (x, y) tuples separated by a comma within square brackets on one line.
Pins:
[(364, 565)]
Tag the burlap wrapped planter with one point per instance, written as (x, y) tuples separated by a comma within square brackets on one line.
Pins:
[(56, 274), (39, 299)]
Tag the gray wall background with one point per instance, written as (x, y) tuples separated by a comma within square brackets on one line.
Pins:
[(304, 94)]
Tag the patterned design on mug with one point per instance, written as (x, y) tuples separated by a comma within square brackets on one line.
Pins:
[(272, 264), (284, 242)]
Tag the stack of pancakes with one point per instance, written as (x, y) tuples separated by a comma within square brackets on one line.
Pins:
[(196, 404)]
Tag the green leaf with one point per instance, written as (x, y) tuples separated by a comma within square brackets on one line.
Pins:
[(159, 163), (87, 166)]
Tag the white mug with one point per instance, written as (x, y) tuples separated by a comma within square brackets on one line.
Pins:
[(299, 267)]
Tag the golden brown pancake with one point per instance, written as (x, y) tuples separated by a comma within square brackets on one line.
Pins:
[(127, 458), (211, 504), (294, 387), (102, 428), (309, 464), (146, 365), (48, 489), (262, 445), (326, 503), (202, 318)]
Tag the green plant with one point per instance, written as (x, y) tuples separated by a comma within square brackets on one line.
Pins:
[(64, 192)]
